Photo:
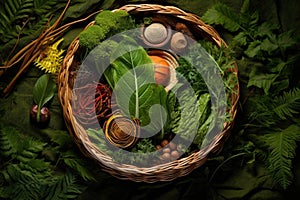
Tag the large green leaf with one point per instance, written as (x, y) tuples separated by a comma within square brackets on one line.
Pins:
[(43, 91), (131, 75), (151, 106), (131, 58)]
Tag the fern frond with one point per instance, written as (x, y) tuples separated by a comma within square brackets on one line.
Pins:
[(9, 141), (266, 28), (78, 165), (37, 166), (223, 15), (65, 187), (262, 80), (12, 14), (283, 149), (260, 114), (31, 177), (42, 7), (37, 25), (23, 184), (59, 137), (245, 7), (288, 104), (13, 144), (31, 149)]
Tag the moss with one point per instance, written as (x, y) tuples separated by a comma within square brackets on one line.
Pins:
[(92, 36), (107, 23)]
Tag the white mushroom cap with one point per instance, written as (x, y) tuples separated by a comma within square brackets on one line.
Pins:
[(156, 33)]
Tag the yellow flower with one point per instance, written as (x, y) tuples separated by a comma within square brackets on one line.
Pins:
[(50, 60)]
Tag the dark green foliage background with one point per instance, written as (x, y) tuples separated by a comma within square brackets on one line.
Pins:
[(239, 172)]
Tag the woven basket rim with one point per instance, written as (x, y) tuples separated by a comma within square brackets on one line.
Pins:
[(162, 172)]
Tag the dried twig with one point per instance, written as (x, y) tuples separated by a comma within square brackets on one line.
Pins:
[(31, 51)]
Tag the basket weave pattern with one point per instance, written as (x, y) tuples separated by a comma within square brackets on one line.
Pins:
[(162, 172)]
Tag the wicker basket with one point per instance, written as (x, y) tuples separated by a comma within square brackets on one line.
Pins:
[(161, 172)]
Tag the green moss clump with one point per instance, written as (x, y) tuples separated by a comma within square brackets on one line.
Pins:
[(107, 23), (92, 36), (117, 21)]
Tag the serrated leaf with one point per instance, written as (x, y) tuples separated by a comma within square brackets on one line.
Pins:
[(221, 14), (279, 86), (241, 38), (268, 46), (266, 28), (26, 184), (253, 49), (286, 40), (254, 19), (277, 65), (186, 116), (261, 80), (39, 165)]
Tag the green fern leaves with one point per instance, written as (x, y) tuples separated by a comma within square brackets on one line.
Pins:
[(261, 42), (78, 165), (269, 58), (64, 186), (41, 6), (267, 112), (13, 13), (21, 181), (282, 146), (25, 184), (8, 142), (12, 144), (21, 21), (288, 104), (261, 80), (27, 173), (221, 14)]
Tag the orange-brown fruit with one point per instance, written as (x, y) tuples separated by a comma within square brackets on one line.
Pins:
[(161, 70)]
